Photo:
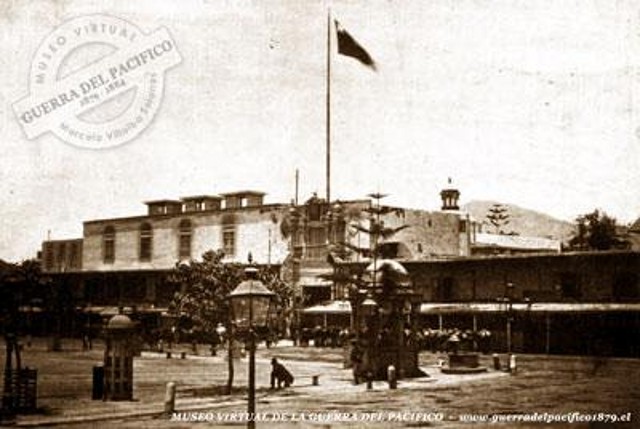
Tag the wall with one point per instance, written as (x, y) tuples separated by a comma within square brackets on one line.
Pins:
[(62, 256), (598, 277), (429, 234), (252, 226)]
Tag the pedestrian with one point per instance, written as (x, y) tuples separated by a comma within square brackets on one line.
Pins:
[(453, 344), (280, 375), (356, 358)]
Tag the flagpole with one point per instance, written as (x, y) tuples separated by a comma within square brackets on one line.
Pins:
[(328, 107)]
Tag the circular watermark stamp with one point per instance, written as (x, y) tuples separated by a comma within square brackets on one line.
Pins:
[(96, 81)]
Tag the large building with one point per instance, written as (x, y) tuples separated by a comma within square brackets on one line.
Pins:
[(124, 261), (462, 274), (578, 302)]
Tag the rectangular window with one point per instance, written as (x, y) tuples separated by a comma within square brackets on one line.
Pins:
[(184, 238), (60, 257), (570, 286), (185, 245), (73, 255), (229, 241), (109, 244), (145, 248), (109, 251), (48, 256), (444, 290)]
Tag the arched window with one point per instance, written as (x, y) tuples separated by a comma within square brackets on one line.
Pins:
[(184, 239), (146, 242), (109, 244)]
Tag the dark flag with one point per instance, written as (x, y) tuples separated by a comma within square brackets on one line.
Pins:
[(349, 47)]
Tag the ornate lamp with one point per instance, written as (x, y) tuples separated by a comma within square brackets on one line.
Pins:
[(251, 306), (369, 306)]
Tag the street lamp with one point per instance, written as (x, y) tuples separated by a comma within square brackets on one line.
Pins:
[(251, 304), (508, 300), (369, 306)]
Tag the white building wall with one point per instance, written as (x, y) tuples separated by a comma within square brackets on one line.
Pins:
[(251, 225)]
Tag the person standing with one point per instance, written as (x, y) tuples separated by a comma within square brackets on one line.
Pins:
[(356, 357)]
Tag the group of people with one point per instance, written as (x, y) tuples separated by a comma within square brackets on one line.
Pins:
[(454, 339), (323, 336), (434, 340)]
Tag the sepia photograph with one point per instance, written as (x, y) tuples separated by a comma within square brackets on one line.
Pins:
[(320, 214)]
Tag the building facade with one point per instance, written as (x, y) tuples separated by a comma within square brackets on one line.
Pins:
[(570, 303), (562, 302), (175, 231), (125, 260)]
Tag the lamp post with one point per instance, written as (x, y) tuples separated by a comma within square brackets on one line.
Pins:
[(251, 305), (507, 299)]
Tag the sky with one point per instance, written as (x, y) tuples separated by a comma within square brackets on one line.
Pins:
[(527, 103)]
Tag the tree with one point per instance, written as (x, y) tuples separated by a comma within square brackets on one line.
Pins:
[(204, 288), (376, 231), (381, 300), (594, 231), (498, 216), (18, 285)]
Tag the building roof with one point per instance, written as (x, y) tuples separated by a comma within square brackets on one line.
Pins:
[(245, 192), (344, 307), (163, 202), (201, 197), (517, 242), (263, 207), (540, 307), (635, 226)]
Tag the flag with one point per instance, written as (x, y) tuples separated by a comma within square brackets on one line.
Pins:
[(348, 46)]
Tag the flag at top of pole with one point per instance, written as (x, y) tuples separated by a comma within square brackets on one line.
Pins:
[(348, 46)]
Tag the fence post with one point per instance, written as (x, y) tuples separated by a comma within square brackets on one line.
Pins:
[(170, 398)]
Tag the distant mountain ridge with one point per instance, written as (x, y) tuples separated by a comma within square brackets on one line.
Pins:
[(522, 221)]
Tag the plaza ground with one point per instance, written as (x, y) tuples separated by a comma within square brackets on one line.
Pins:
[(550, 384)]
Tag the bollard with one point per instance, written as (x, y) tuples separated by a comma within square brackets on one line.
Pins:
[(183, 355), (170, 398), (315, 380), (496, 362), (392, 377), (97, 391), (168, 355), (512, 364), (369, 381)]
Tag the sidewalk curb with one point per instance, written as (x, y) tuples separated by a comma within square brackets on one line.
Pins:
[(157, 411)]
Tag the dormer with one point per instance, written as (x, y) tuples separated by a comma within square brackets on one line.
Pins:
[(236, 200), (164, 207), (201, 203)]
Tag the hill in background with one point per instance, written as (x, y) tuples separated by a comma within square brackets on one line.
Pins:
[(522, 221)]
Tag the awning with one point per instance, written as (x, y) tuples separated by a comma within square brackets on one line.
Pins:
[(550, 307), (334, 307), (113, 310), (30, 309)]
